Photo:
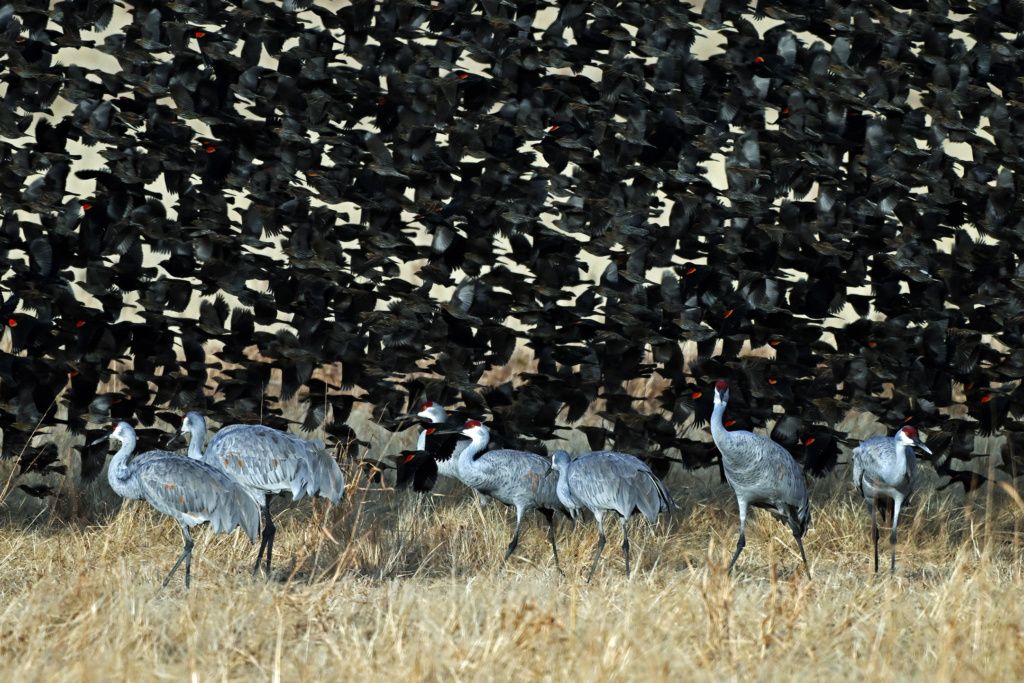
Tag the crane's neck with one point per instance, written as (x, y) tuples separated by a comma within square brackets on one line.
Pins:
[(196, 443), (477, 442), (564, 492), (902, 444), (118, 474), (718, 431), (900, 464)]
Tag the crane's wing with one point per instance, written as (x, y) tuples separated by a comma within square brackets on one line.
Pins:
[(793, 485), (505, 465), (543, 480), (140, 458), (773, 474), (547, 491), (793, 490), (778, 465), (194, 492), (271, 460), (858, 456), (618, 481)]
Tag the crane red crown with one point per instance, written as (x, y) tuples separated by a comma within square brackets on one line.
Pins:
[(474, 423), (910, 431), (428, 404), (721, 385)]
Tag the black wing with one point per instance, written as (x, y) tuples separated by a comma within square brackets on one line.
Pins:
[(417, 468)]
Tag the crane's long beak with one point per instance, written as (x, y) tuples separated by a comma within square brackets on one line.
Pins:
[(925, 448), (414, 417), (101, 439), (173, 438)]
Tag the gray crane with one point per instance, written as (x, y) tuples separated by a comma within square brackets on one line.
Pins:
[(606, 480), (762, 473), (267, 462), (518, 478), (191, 492), (884, 470)]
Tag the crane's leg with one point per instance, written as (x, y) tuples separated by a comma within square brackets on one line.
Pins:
[(515, 536), (186, 555), (599, 514), (625, 543), (273, 532), (550, 515), (800, 544), (267, 542), (874, 531), (892, 539), (742, 542), (188, 565)]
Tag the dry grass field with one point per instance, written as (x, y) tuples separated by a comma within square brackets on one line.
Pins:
[(391, 586)]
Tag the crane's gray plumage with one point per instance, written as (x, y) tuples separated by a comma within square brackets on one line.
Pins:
[(884, 470), (267, 461), (762, 473), (191, 492), (518, 478), (606, 480)]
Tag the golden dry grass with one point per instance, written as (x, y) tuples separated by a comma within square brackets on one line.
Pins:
[(393, 586), (389, 586)]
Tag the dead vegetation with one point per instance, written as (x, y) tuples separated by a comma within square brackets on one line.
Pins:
[(391, 586)]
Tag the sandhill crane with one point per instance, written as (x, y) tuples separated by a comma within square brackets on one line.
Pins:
[(518, 478), (606, 480), (189, 491), (762, 473), (884, 469), (267, 461)]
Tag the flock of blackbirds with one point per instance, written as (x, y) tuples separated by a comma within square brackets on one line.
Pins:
[(280, 163)]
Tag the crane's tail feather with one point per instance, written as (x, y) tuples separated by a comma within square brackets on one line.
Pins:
[(318, 475), (657, 499), (653, 497), (329, 479), (802, 517), (243, 510)]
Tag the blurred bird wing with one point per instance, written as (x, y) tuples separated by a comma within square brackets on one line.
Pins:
[(444, 445), (911, 464), (418, 468)]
